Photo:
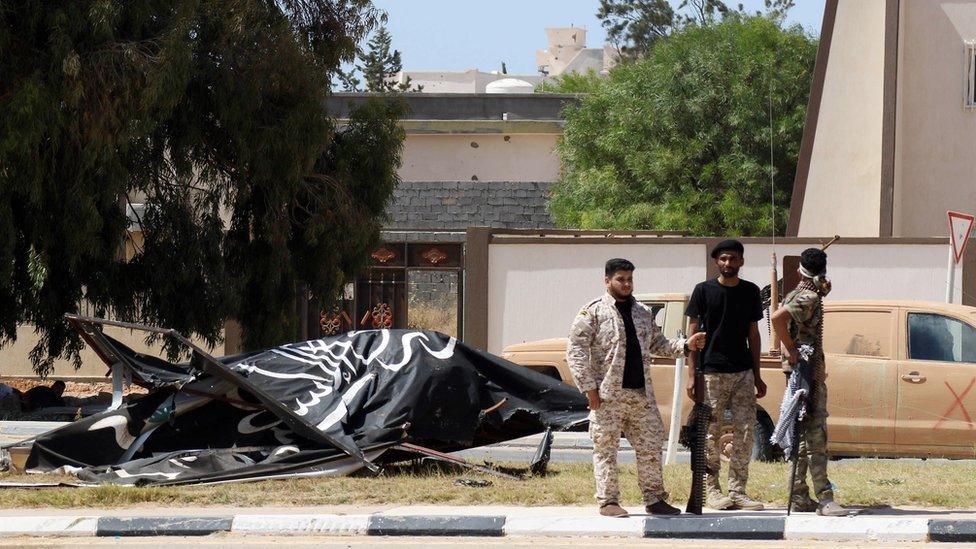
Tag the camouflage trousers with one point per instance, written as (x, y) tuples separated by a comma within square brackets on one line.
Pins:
[(812, 453), (737, 393), (637, 417)]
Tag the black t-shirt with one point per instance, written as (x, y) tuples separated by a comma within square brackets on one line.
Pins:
[(634, 361), (725, 313)]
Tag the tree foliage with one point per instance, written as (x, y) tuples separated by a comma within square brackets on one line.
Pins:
[(572, 82), (213, 114), (379, 65), (681, 140), (635, 25)]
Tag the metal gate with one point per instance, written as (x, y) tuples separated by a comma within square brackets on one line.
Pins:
[(416, 285)]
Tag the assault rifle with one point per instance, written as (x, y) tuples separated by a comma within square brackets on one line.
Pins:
[(805, 384), (694, 435)]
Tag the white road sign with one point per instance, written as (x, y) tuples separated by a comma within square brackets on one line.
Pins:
[(960, 225)]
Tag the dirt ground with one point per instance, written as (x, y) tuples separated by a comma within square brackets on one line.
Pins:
[(76, 394)]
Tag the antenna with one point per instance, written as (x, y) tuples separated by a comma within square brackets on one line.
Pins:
[(774, 275)]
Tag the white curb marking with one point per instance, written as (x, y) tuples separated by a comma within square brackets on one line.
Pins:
[(301, 524), (857, 528), (574, 526), (65, 526)]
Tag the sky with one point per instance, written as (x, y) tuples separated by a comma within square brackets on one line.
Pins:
[(458, 35)]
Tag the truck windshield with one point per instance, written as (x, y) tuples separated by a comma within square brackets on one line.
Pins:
[(941, 338)]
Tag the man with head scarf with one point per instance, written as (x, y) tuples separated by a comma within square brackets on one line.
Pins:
[(799, 321)]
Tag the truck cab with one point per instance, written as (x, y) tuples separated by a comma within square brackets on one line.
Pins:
[(901, 376)]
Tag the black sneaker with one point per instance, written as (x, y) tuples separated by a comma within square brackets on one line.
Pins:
[(804, 504), (661, 507)]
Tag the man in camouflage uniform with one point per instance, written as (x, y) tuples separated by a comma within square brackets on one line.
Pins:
[(727, 309), (609, 354), (799, 321)]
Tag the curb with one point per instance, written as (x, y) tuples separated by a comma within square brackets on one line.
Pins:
[(758, 528), (162, 526), (380, 525), (953, 531), (873, 529)]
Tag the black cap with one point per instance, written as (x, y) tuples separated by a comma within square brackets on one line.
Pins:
[(814, 260), (730, 244)]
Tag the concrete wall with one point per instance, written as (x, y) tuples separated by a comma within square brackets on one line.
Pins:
[(535, 285), (843, 187), (447, 106), (865, 271), (535, 290), (493, 157), (935, 160)]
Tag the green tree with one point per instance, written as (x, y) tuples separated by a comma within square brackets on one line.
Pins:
[(379, 65), (572, 82), (633, 26), (681, 140), (213, 114)]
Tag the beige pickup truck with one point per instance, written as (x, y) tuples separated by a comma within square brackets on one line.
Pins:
[(901, 376)]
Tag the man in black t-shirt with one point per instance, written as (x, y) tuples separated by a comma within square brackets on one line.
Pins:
[(728, 309)]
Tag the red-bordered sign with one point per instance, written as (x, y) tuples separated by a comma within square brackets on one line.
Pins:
[(960, 225)]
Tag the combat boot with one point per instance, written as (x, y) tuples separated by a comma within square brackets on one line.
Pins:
[(830, 508), (611, 509), (742, 501), (715, 499), (661, 507)]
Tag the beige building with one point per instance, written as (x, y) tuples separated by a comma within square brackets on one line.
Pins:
[(566, 53), (888, 144)]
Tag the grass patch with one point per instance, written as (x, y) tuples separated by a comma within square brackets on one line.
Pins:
[(942, 484)]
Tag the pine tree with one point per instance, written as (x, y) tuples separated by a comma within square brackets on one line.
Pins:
[(380, 66)]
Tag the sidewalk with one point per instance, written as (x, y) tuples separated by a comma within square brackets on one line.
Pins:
[(878, 525)]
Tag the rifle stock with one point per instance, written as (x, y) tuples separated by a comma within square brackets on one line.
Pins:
[(694, 436)]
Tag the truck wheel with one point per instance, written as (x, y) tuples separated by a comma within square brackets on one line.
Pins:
[(762, 449)]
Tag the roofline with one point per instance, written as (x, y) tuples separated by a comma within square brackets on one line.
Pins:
[(449, 95), (888, 118), (812, 118), (888, 125)]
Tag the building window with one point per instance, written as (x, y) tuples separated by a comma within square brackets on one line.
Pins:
[(970, 100)]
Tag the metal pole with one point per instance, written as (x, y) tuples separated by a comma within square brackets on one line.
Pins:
[(951, 274), (676, 401)]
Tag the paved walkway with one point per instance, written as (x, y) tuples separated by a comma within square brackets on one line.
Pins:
[(876, 525)]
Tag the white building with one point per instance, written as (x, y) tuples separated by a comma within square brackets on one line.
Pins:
[(567, 53)]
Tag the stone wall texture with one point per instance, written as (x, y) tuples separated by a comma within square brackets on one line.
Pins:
[(457, 205)]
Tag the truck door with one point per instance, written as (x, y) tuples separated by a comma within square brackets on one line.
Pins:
[(937, 382), (861, 373)]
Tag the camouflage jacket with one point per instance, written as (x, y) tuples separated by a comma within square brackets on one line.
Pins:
[(806, 315), (598, 346)]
